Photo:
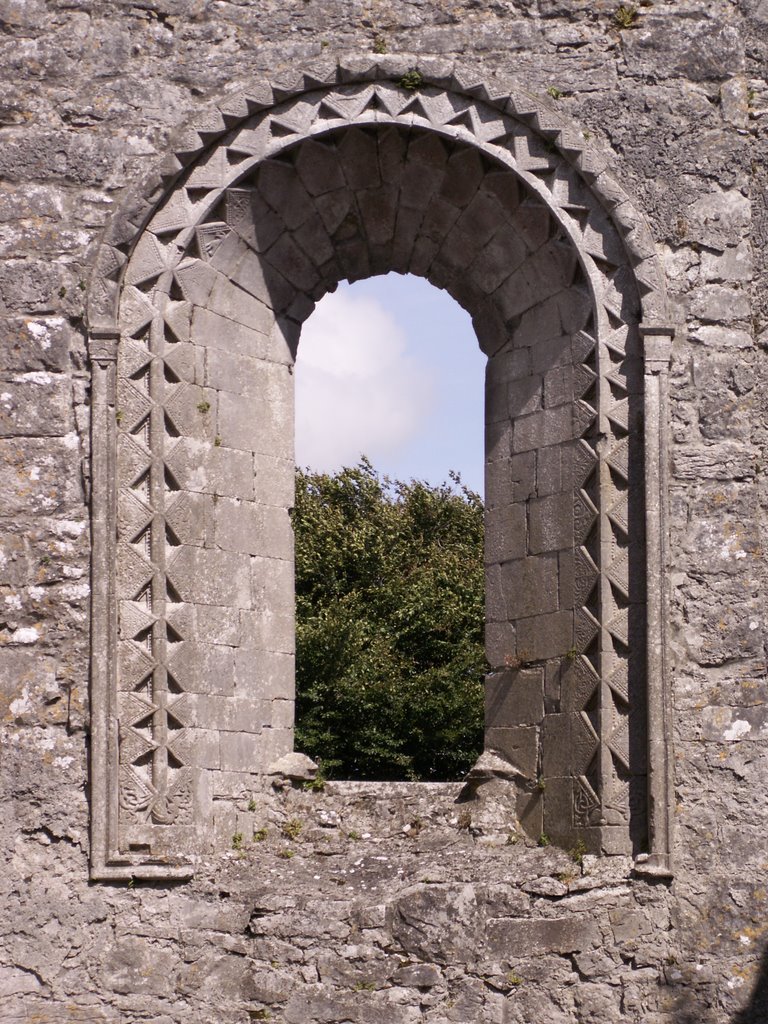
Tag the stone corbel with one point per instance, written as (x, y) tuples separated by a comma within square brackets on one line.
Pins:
[(657, 350)]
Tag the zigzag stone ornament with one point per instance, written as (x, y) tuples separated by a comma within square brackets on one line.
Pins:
[(201, 289)]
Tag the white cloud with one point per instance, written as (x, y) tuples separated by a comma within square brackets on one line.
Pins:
[(358, 391)]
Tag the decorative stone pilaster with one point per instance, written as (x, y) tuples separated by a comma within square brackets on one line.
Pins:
[(108, 862), (657, 349)]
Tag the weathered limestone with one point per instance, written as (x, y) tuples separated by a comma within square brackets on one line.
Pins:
[(260, 228), (572, 108)]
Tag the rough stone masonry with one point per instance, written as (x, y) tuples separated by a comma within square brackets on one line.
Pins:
[(180, 182)]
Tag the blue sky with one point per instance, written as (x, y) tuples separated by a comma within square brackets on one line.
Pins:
[(390, 368)]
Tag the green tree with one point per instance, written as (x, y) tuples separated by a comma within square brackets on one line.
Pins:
[(389, 630)]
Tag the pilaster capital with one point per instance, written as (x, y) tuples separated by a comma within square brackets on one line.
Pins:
[(657, 346), (102, 343)]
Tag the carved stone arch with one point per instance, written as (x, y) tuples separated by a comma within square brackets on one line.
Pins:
[(195, 317)]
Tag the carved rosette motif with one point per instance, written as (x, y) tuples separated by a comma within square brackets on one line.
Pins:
[(172, 269)]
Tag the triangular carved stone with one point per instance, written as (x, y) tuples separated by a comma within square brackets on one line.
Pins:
[(133, 746), (135, 311), (583, 462), (619, 741), (585, 574), (619, 513), (619, 626), (618, 571), (133, 572), (618, 679), (134, 708), (134, 619), (618, 458), (584, 516), (134, 665), (585, 629), (147, 261)]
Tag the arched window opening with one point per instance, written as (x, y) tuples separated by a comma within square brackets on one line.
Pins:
[(388, 525)]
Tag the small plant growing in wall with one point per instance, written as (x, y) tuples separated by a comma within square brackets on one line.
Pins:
[(292, 829), (578, 852), (204, 407), (625, 15), (411, 80), (237, 841), (543, 840), (554, 92), (260, 835), (379, 44)]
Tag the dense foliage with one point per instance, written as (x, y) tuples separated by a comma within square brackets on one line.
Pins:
[(389, 608)]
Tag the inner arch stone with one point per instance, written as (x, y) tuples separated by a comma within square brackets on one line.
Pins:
[(206, 445)]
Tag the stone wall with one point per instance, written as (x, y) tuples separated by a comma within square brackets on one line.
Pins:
[(397, 904)]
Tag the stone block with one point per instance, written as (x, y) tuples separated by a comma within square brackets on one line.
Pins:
[(255, 529), (313, 239), (27, 685), (237, 372), (264, 426), (280, 185), (557, 804), (42, 343), (318, 167), (495, 600), (514, 697), (545, 636), (524, 396), (247, 212), (233, 303), (546, 427), (392, 149), (265, 280), (549, 471), (519, 744), (241, 751), (698, 47), (261, 674), (439, 218), (274, 480), (293, 264), (505, 533), (720, 304), (500, 257), (378, 211), (359, 158), (538, 936), (272, 585), (214, 331), (500, 642), (198, 466), (734, 266), (204, 744), (530, 586), (202, 668), (225, 713), (568, 745), (731, 725), (498, 440), (463, 176), (38, 476), (550, 523), (37, 403), (203, 576)]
